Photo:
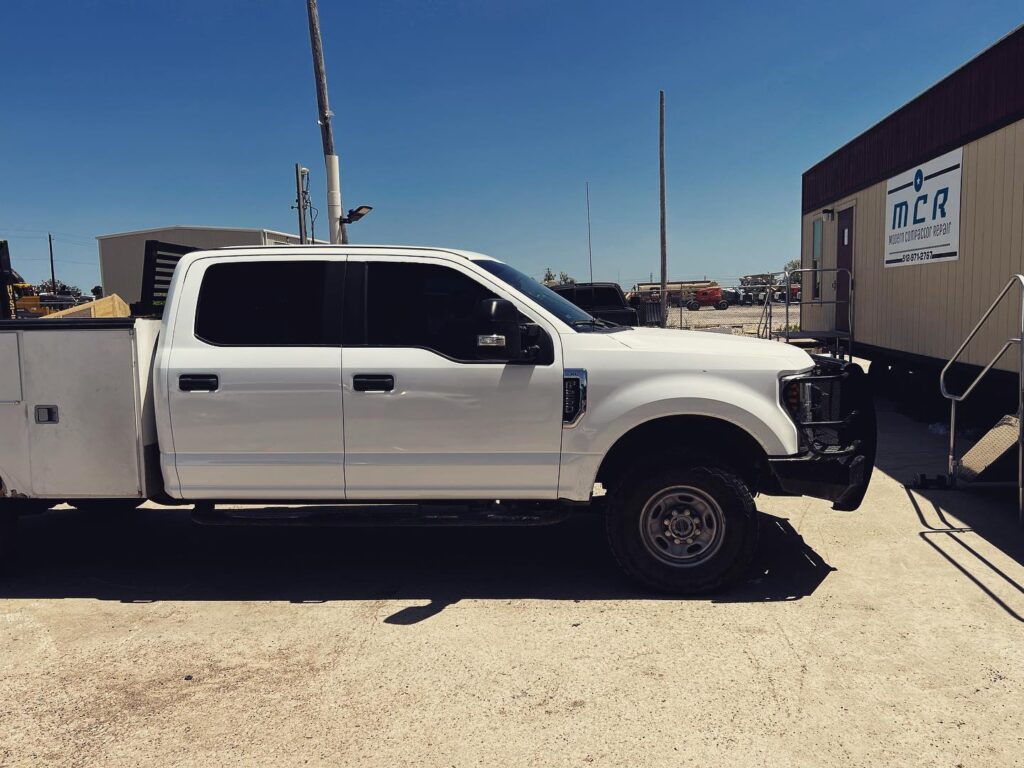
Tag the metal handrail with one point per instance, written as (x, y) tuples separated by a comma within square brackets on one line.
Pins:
[(1015, 280), (820, 302), (953, 466), (766, 321)]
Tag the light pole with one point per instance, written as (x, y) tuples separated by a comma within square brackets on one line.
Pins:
[(590, 249), (334, 207), (661, 178)]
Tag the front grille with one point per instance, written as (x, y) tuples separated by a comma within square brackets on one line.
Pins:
[(816, 403)]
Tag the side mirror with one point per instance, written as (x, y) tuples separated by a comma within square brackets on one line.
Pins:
[(498, 336)]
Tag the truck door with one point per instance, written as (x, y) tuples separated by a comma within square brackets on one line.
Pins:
[(423, 419), (253, 380)]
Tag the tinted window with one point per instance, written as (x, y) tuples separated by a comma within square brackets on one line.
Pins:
[(271, 304), (606, 297), (560, 307), (584, 297), (422, 305)]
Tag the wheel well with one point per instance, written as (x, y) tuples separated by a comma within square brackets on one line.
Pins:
[(696, 436)]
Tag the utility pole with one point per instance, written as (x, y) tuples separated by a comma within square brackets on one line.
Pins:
[(590, 249), (661, 173), (53, 274), (300, 201), (339, 234)]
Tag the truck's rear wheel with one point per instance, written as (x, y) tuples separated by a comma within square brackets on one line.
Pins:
[(685, 530)]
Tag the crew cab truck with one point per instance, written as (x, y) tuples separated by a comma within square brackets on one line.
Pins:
[(425, 386)]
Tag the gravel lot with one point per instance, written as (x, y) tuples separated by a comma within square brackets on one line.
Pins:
[(890, 636)]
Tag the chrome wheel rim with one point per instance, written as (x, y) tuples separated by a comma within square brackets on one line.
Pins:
[(682, 526)]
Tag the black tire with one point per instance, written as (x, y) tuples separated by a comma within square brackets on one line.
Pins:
[(719, 501), (723, 304), (693, 306)]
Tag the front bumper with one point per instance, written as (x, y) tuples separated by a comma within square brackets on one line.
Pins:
[(838, 437)]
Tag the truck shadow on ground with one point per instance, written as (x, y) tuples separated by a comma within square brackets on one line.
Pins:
[(160, 555)]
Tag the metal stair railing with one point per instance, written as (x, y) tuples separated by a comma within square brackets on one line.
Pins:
[(765, 323), (953, 466), (848, 301)]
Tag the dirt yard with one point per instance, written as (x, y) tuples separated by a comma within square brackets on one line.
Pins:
[(743, 320), (893, 636)]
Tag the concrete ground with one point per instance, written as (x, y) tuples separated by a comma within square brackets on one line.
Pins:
[(893, 636)]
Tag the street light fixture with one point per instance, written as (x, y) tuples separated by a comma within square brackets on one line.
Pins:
[(355, 214)]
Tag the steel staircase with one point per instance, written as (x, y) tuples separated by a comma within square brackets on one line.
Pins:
[(1007, 433), (834, 337)]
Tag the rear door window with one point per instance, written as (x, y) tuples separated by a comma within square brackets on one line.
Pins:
[(271, 304)]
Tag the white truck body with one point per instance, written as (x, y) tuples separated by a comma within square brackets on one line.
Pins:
[(76, 409), (353, 414)]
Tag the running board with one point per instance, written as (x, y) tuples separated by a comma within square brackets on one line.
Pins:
[(981, 462), (377, 515)]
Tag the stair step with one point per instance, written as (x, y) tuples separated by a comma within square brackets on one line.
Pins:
[(990, 448)]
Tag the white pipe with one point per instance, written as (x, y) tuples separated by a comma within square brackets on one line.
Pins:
[(334, 212)]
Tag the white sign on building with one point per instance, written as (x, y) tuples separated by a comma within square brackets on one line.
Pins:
[(922, 213)]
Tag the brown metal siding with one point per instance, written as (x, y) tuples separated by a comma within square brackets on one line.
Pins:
[(984, 95)]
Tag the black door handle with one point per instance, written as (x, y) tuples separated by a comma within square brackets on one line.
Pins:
[(373, 382), (198, 382)]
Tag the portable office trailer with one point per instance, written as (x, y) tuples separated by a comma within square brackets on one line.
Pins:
[(122, 255), (926, 211)]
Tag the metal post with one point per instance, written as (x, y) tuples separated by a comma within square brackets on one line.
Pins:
[(786, 329), (951, 468), (1020, 416), (53, 274), (300, 203), (661, 175), (590, 248), (334, 205)]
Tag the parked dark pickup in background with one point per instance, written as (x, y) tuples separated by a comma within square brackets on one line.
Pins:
[(604, 301)]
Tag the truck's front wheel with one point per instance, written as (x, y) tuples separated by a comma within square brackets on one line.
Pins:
[(685, 530)]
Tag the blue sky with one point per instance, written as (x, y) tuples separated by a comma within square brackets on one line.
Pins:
[(466, 124)]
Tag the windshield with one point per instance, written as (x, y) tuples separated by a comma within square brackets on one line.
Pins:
[(561, 308)]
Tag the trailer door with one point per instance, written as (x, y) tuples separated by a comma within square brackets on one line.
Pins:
[(844, 260)]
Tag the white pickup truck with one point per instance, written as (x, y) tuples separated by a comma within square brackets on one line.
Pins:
[(424, 386)]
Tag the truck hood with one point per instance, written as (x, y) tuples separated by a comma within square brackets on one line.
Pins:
[(699, 346)]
